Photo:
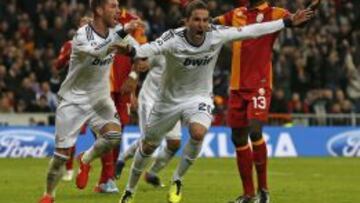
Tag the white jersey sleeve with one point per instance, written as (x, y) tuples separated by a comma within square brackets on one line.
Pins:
[(249, 31), (161, 45), (82, 42)]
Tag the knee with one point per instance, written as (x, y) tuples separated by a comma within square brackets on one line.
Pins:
[(239, 136), (173, 145), (197, 132), (255, 130), (113, 137), (147, 148), (63, 152)]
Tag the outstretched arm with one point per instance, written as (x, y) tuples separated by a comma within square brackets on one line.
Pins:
[(260, 29), (160, 46), (82, 41)]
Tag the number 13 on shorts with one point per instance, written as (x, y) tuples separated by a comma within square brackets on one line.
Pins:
[(258, 105), (259, 102)]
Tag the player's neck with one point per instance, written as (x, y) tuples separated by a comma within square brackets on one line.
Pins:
[(253, 4), (99, 26)]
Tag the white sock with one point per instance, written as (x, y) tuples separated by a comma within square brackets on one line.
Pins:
[(161, 160), (130, 152), (190, 153), (55, 172), (140, 162)]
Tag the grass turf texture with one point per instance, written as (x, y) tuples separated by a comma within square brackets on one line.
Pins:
[(295, 180)]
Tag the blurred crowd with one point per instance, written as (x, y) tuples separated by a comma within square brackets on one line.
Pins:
[(316, 68)]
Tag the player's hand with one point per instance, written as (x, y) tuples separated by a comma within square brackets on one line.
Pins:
[(132, 25), (134, 103), (129, 86), (301, 16), (141, 65), (120, 48)]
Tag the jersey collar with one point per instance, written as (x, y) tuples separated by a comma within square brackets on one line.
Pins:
[(98, 34)]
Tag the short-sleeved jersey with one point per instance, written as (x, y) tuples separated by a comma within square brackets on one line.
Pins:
[(251, 59), (189, 68), (121, 66), (87, 80)]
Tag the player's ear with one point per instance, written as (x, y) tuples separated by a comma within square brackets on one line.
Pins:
[(99, 10)]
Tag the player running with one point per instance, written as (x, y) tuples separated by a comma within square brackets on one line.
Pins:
[(62, 65), (123, 83), (147, 98), (85, 94), (186, 88), (250, 96)]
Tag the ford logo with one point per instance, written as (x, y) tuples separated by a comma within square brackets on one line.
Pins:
[(26, 143), (345, 144)]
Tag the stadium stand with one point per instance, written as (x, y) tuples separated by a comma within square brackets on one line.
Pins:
[(316, 69)]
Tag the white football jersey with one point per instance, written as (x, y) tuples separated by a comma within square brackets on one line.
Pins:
[(151, 84), (88, 76), (189, 68)]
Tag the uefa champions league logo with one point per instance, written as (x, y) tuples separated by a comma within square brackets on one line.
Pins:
[(26, 143), (345, 144)]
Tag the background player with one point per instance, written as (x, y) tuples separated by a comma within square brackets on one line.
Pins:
[(250, 96), (185, 93), (85, 94)]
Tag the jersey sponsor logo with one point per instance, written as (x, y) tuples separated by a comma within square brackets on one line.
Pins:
[(26, 143), (194, 62), (102, 62), (345, 144)]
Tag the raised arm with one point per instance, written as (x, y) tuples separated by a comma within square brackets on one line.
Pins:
[(82, 42), (160, 46), (260, 29), (251, 31)]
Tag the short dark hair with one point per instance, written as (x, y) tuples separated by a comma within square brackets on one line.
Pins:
[(194, 5), (96, 3)]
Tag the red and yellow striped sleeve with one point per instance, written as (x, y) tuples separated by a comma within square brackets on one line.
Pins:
[(226, 19), (278, 13)]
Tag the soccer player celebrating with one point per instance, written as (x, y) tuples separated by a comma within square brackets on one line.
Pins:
[(123, 83), (62, 64), (250, 96), (186, 90), (85, 94), (147, 97)]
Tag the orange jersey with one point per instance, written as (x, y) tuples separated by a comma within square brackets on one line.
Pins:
[(251, 59), (121, 66)]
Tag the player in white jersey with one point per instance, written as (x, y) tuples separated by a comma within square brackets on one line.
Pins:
[(147, 97), (186, 90), (85, 95)]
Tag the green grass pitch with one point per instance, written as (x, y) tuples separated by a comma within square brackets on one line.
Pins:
[(294, 180)]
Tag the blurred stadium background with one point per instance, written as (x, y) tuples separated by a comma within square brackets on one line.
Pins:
[(315, 109)]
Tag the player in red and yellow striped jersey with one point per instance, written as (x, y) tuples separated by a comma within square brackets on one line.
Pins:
[(123, 83), (250, 96)]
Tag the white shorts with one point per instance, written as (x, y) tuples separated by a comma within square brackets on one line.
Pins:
[(70, 117), (165, 115), (145, 106)]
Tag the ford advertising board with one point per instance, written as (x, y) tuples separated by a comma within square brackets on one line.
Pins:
[(21, 142)]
